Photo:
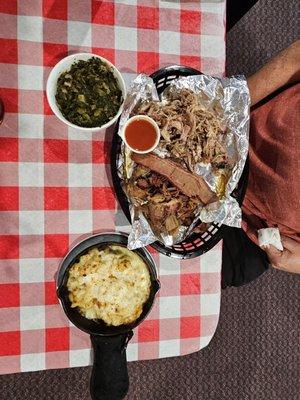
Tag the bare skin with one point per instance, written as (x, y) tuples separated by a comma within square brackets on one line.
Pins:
[(287, 260), (282, 70)]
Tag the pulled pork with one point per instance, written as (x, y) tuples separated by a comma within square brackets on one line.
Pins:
[(190, 132)]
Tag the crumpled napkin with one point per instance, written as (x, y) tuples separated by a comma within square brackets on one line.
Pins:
[(269, 236)]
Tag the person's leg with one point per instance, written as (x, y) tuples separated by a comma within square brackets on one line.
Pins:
[(242, 260), (236, 9)]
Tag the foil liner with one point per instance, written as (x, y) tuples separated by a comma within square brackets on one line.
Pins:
[(231, 100)]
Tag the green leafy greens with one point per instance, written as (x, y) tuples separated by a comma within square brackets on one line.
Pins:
[(88, 95)]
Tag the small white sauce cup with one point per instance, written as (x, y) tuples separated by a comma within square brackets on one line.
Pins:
[(141, 118)]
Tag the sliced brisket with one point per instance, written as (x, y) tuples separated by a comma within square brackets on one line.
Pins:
[(190, 184)]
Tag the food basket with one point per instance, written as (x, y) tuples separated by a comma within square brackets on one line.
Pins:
[(197, 243)]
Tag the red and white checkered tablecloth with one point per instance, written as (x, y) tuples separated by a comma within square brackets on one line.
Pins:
[(55, 183)]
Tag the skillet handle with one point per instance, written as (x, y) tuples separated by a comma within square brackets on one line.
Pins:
[(109, 379)]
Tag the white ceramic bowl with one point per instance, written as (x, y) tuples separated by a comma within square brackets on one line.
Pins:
[(64, 65), (152, 122)]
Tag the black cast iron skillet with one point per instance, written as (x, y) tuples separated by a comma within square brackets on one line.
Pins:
[(109, 379)]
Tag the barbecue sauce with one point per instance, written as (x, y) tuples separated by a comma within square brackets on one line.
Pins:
[(140, 135)]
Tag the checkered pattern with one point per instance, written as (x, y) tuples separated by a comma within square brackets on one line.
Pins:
[(55, 183)]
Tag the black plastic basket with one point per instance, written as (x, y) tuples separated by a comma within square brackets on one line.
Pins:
[(197, 243)]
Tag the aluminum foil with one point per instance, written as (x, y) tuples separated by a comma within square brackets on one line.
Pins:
[(230, 97)]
